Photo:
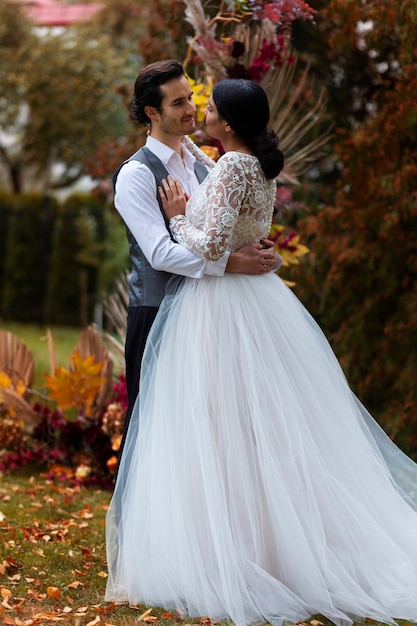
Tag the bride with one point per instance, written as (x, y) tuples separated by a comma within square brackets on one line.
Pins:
[(254, 487)]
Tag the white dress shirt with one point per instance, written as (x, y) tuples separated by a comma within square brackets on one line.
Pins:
[(135, 200)]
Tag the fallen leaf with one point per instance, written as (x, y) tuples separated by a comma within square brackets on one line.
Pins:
[(15, 577), (97, 608), (54, 592), (75, 584), (40, 553), (9, 562)]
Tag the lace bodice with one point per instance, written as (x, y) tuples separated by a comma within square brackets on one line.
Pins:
[(232, 207)]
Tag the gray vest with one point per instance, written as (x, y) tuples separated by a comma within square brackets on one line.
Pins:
[(146, 285)]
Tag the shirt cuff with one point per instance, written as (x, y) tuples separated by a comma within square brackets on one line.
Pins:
[(278, 262), (217, 268)]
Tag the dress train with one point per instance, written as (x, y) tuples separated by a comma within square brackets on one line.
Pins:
[(254, 486)]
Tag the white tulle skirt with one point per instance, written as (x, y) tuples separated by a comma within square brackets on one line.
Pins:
[(254, 487)]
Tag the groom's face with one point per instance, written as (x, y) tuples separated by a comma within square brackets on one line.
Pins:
[(177, 114)]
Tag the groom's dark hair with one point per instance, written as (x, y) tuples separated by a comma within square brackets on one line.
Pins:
[(147, 90)]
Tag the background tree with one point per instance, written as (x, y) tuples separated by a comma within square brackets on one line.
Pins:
[(141, 31), (58, 100), (361, 282), (16, 43)]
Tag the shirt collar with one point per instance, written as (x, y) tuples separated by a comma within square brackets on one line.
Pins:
[(165, 153)]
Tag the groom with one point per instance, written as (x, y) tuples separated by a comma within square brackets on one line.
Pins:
[(162, 101)]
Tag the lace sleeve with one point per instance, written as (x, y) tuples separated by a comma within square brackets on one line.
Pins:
[(224, 192), (198, 154)]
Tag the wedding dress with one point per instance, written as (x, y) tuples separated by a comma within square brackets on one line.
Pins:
[(254, 487)]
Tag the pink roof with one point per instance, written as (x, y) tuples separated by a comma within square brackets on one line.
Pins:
[(53, 13)]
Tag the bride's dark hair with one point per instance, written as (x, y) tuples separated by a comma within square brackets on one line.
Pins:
[(244, 105)]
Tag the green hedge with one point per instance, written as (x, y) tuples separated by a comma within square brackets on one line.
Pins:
[(29, 225), (54, 258), (6, 209)]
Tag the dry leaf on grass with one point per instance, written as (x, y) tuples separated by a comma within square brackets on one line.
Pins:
[(54, 592)]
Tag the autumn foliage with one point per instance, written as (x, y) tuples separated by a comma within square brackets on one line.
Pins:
[(362, 282)]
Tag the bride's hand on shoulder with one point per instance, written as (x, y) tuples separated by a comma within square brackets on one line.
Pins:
[(173, 197)]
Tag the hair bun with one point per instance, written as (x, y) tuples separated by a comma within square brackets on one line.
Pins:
[(266, 140), (265, 147)]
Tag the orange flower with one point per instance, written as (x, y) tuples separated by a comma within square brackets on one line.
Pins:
[(112, 464), (211, 151)]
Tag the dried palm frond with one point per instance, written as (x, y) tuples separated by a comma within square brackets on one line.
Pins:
[(115, 307), (16, 359), (17, 407), (292, 117), (194, 14), (115, 346), (116, 304), (90, 344), (51, 352), (252, 38), (17, 363), (204, 42)]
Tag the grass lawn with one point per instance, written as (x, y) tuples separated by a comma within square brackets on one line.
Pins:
[(52, 555), (52, 558)]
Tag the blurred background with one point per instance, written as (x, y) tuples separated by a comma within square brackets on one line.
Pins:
[(341, 78)]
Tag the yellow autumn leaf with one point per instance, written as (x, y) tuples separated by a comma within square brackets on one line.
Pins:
[(5, 381), (77, 388), (21, 388), (288, 258), (301, 250), (87, 365), (276, 229), (201, 96), (60, 387)]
